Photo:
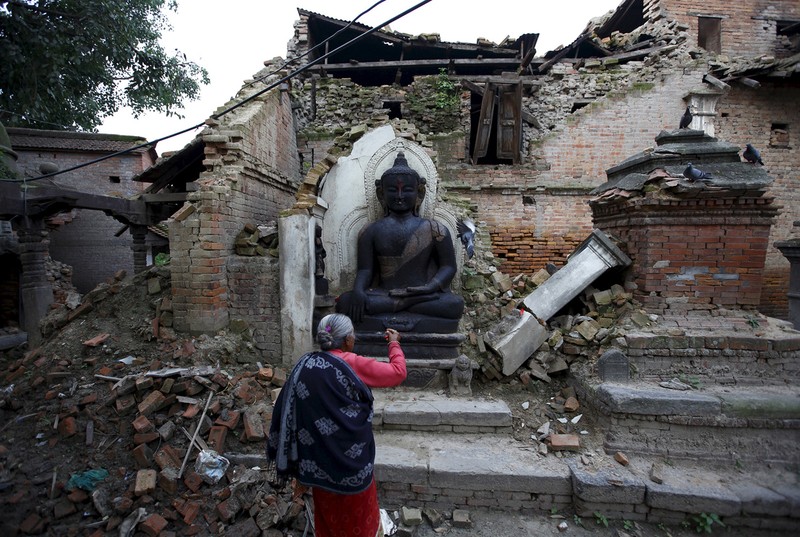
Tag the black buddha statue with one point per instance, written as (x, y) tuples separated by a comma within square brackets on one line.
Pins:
[(405, 264)]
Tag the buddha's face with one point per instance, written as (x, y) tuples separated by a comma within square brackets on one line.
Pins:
[(400, 192)]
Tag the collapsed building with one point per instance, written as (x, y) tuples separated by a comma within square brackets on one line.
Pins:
[(519, 141)]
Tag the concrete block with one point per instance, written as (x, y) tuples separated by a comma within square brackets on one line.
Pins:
[(519, 342)]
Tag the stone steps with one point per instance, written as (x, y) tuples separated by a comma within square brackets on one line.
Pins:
[(419, 411), (730, 425), (449, 471)]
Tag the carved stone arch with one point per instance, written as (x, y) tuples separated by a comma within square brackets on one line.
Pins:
[(341, 275)]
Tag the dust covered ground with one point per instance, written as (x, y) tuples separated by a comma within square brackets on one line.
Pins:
[(76, 460)]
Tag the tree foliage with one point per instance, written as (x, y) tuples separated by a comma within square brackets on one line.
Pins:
[(71, 63)]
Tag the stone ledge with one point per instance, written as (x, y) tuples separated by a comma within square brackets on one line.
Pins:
[(656, 402), (445, 412)]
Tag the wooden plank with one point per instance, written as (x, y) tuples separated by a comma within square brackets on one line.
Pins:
[(443, 62), (168, 197)]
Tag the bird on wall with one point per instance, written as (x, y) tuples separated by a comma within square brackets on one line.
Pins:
[(466, 232), (695, 174), (752, 155), (686, 118)]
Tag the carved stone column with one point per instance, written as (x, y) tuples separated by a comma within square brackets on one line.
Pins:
[(139, 247), (36, 292)]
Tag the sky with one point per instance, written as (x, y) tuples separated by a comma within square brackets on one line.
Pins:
[(233, 41)]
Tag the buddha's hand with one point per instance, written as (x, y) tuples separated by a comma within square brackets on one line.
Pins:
[(415, 290), (392, 335), (358, 305)]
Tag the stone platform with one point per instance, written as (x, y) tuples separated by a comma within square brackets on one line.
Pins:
[(437, 461)]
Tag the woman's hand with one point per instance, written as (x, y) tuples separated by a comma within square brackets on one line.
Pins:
[(392, 335)]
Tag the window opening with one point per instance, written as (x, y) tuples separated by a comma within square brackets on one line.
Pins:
[(709, 33), (394, 108), (779, 135)]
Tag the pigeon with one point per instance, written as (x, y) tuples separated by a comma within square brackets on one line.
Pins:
[(466, 232), (752, 155), (694, 174), (686, 118)]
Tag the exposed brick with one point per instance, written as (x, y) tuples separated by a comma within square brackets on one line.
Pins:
[(153, 525), (145, 482)]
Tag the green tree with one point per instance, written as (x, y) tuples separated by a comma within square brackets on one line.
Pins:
[(70, 63)]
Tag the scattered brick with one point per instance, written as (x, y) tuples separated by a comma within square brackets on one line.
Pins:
[(253, 426), (621, 458), (144, 383), (153, 525), (125, 404), (168, 480), (142, 425), (167, 457), (32, 525), (97, 340), (143, 456), (229, 419), (151, 403), (145, 438), (216, 438), (190, 512), (67, 427), (192, 480), (565, 442), (145, 482)]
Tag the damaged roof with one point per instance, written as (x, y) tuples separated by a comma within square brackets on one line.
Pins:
[(72, 141), (378, 57)]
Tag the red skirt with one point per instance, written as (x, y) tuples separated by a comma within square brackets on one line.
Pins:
[(346, 515)]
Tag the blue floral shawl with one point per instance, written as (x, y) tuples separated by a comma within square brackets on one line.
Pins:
[(321, 430)]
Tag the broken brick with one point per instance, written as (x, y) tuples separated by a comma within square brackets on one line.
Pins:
[(144, 383), (97, 340), (216, 438), (89, 399), (151, 403), (125, 404), (229, 419), (143, 456), (67, 427), (253, 426), (168, 480), (145, 438), (565, 442), (192, 480), (33, 524), (145, 482), (153, 525), (142, 425), (190, 512), (167, 457)]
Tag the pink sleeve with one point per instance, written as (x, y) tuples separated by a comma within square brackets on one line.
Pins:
[(380, 374)]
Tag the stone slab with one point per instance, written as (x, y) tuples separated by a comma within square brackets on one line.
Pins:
[(447, 412), (656, 402), (606, 485), (689, 497), (488, 467), (394, 464), (750, 404), (758, 500), (519, 342)]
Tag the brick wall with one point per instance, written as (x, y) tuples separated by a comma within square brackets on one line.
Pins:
[(253, 282), (693, 254), (241, 185), (86, 241), (747, 28), (746, 115)]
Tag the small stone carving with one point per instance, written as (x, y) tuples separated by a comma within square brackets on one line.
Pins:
[(461, 376)]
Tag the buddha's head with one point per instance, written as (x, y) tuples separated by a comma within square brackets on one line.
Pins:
[(400, 189)]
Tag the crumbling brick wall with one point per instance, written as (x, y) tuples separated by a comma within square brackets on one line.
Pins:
[(752, 115), (242, 184), (747, 28)]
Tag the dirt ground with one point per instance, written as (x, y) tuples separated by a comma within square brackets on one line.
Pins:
[(60, 420)]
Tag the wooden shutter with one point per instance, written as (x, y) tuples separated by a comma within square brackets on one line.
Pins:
[(484, 130), (509, 126)]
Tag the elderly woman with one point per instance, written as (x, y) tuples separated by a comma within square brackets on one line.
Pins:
[(321, 431)]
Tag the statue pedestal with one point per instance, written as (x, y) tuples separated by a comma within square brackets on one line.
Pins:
[(416, 346)]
